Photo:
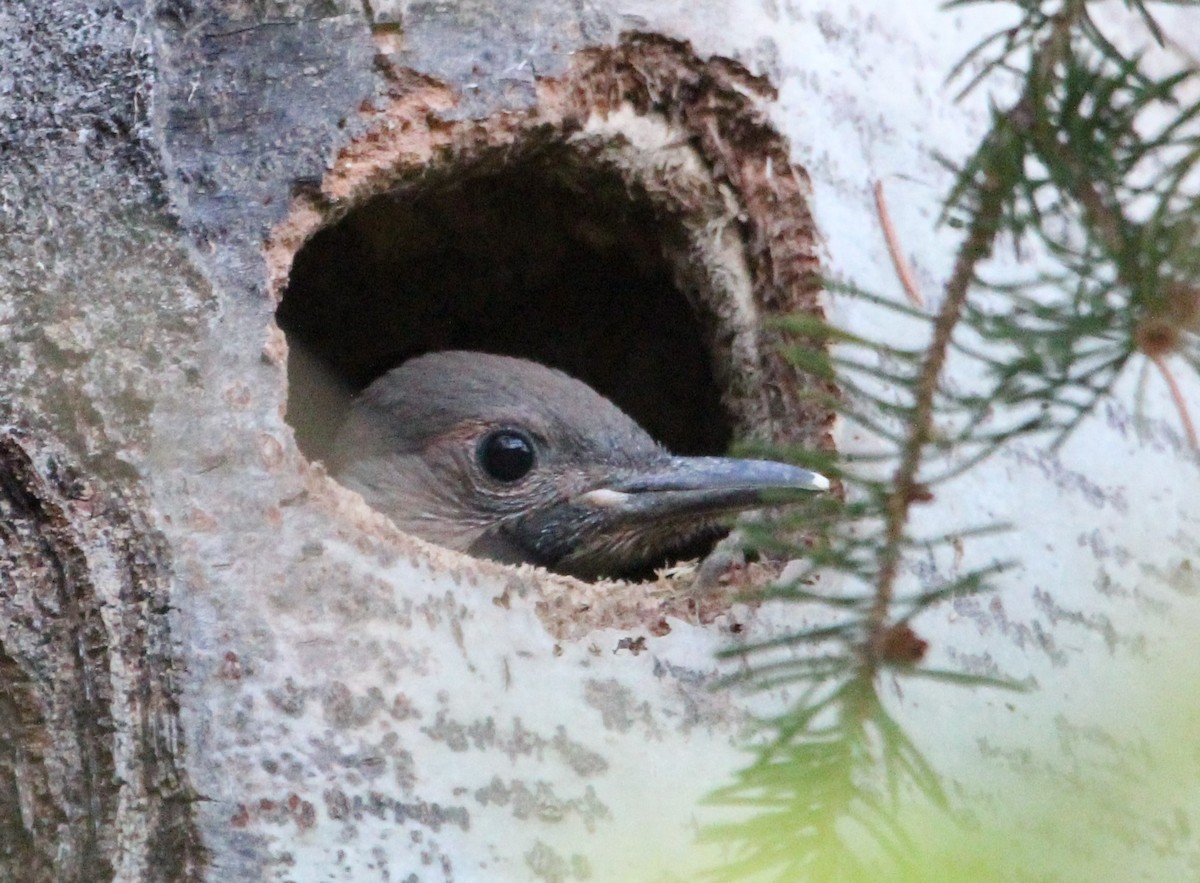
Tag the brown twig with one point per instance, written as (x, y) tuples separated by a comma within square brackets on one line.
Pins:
[(903, 272), (1177, 395)]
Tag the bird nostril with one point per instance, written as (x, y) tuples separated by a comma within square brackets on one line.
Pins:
[(506, 455)]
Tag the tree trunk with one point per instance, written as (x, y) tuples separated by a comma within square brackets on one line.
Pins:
[(217, 664)]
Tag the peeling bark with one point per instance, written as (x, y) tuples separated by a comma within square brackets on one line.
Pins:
[(88, 722)]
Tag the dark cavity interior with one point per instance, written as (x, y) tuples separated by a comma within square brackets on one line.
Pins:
[(550, 257)]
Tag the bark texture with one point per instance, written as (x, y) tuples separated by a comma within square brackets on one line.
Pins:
[(92, 783), (90, 775)]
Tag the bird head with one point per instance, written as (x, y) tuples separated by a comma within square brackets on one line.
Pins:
[(507, 459)]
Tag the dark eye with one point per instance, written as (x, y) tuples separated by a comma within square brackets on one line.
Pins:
[(506, 455)]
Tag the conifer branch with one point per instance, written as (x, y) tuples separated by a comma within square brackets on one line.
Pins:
[(990, 197), (1058, 167)]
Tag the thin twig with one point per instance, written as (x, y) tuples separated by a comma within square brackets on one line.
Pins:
[(1177, 395), (903, 273)]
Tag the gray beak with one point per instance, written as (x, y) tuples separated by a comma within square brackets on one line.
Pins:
[(699, 487), (642, 514)]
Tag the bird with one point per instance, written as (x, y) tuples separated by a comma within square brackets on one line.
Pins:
[(507, 459)]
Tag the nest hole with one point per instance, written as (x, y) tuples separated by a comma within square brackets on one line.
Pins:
[(639, 229), (547, 256)]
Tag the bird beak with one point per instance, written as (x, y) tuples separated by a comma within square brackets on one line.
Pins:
[(696, 487), (640, 515)]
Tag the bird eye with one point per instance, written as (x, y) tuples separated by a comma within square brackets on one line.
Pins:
[(506, 455)]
